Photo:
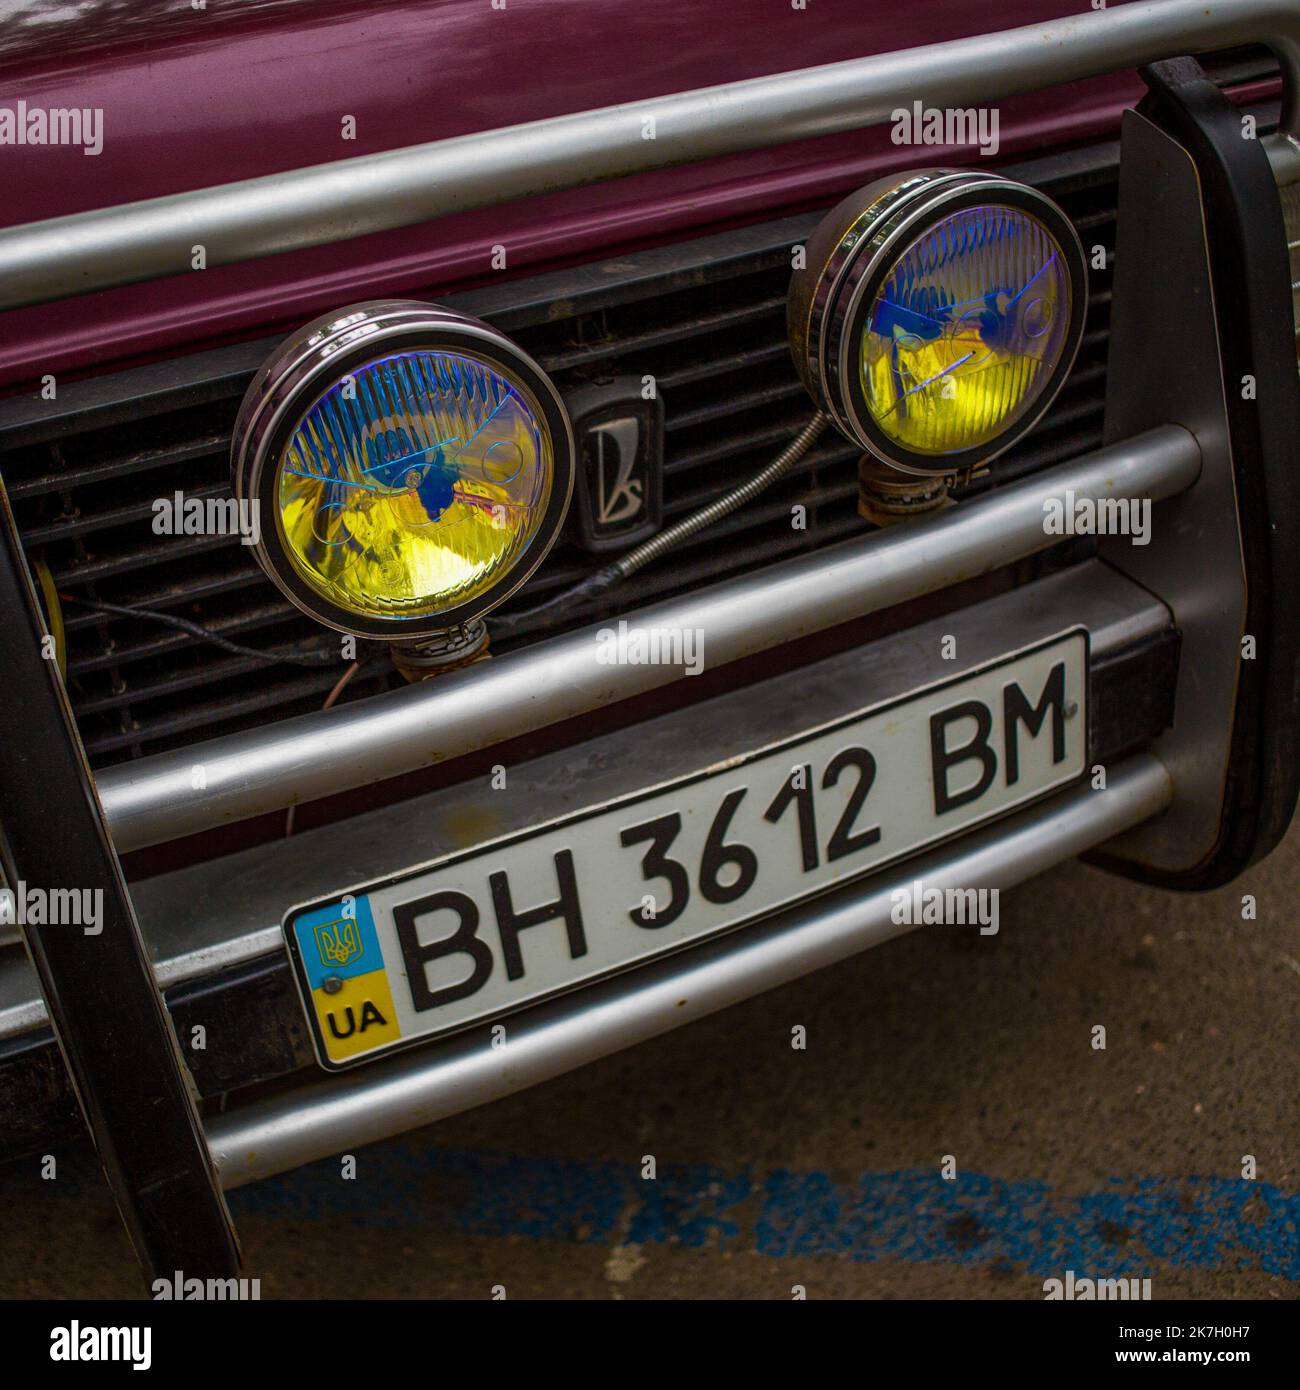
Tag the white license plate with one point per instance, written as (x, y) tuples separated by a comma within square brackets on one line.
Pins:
[(483, 932)]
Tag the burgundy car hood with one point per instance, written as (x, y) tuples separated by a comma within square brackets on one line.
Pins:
[(194, 97)]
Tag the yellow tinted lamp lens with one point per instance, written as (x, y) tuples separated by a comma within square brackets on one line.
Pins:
[(966, 331), (414, 485)]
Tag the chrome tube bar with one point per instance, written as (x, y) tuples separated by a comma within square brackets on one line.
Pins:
[(353, 197), (207, 917), (330, 1116), (239, 775)]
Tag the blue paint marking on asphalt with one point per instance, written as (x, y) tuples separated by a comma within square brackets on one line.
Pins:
[(1122, 1229)]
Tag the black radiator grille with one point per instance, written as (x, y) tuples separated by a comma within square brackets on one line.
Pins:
[(713, 336)]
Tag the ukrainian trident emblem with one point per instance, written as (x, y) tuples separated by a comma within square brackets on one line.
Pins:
[(338, 942)]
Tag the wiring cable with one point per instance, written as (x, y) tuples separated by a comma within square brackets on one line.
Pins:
[(627, 565), (315, 660)]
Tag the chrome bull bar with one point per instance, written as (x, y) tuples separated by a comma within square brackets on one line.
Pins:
[(224, 914)]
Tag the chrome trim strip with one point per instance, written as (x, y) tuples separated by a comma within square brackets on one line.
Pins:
[(221, 913), (155, 799), (340, 1113), (353, 197)]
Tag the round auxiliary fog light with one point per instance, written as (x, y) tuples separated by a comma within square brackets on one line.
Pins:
[(410, 465), (938, 315)]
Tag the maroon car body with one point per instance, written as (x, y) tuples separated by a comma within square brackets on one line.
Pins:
[(193, 98)]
